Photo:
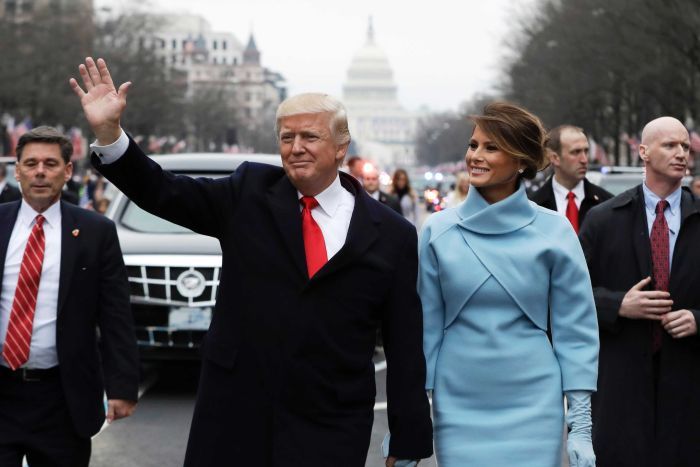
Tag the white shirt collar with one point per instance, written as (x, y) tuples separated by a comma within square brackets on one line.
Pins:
[(2, 185), (562, 191), (330, 198), (27, 214)]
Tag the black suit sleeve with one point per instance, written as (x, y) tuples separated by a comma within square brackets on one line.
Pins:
[(118, 346), (607, 302), (200, 204), (402, 330)]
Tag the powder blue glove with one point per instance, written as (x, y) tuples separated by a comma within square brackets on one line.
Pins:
[(579, 445), (399, 462)]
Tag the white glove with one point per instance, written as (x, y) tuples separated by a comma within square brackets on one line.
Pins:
[(579, 445), (399, 462)]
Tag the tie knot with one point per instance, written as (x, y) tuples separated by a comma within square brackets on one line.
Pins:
[(661, 206), (309, 202), (40, 220), (570, 195)]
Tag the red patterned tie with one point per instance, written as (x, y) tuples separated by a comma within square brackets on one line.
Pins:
[(19, 331), (314, 244), (572, 210), (659, 260)]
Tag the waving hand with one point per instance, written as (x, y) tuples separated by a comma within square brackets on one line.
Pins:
[(102, 103)]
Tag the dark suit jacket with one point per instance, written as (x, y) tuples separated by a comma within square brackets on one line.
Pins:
[(9, 193), (92, 293), (594, 195), (390, 201), (287, 376), (615, 240)]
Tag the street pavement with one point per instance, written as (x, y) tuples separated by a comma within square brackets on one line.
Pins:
[(156, 435)]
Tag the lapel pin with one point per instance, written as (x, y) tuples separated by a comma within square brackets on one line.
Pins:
[(595, 197), (76, 232)]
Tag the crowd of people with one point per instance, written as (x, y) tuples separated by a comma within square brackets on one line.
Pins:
[(501, 310)]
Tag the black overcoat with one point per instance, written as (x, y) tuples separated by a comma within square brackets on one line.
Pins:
[(287, 375), (615, 240)]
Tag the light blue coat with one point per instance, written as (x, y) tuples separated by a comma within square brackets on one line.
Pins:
[(489, 276)]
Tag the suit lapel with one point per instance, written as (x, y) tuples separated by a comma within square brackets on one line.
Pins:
[(640, 232), (283, 201), (8, 217), (69, 251), (548, 201), (589, 200), (684, 243), (362, 232)]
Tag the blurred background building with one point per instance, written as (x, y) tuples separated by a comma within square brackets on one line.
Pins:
[(382, 130), (217, 60)]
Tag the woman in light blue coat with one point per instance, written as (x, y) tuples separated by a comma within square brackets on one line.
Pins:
[(496, 273)]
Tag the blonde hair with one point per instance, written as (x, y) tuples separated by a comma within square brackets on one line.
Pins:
[(312, 103)]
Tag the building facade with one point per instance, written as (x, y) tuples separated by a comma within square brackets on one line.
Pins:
[(382, 130), (208, 59)]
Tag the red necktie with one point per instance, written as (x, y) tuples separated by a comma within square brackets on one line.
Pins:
[(314, 244), (572, 210), (19, 330), (659, 261)]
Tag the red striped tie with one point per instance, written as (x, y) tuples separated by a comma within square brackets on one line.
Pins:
[(19, 331)]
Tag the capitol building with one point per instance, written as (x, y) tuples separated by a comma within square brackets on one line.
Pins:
[(382, 130)]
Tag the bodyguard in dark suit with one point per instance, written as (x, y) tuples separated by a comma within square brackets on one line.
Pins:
[(643, 256), (371, 185), (63, 277), (568, 191), (7, 191), (312, 267)]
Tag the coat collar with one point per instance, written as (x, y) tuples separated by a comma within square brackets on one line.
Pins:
[(508, 215), (362, 232), (284, 204), (635, 196)]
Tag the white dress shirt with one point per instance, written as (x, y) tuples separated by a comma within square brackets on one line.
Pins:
[(332, 214), (561, 193), (2, 185), (335, 205), (42, 351)]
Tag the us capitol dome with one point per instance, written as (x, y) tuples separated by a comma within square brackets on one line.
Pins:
[(382, 130)]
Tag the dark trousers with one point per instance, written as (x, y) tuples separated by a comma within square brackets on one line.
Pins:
[(35, 422)]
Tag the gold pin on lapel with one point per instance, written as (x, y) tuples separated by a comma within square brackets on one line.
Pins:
[(76, 232)]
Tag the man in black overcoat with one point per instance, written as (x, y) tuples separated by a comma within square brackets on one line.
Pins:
[(312, 267), (645, 271)]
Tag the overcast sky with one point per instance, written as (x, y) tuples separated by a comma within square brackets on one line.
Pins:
[(441, 51)]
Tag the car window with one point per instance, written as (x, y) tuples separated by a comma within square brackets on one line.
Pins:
[(617, 185), (135, 218)]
